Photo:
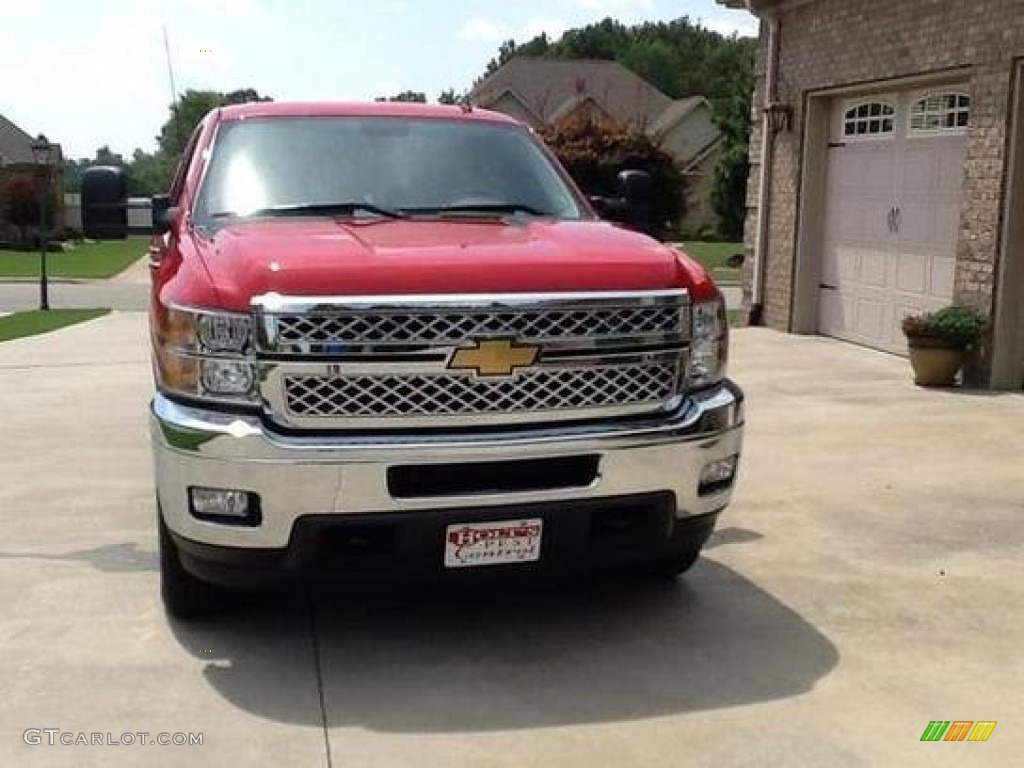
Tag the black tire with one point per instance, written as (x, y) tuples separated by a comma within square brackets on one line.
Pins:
[(184, 595), (673, 565)]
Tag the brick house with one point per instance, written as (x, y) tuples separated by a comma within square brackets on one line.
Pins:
[(17, 161), (541, 91), (887, 172)]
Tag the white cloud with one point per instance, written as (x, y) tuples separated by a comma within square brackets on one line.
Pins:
[(613, 7), (224, 7), (743, 25), (552, 26), (491, 31), (485, 30)]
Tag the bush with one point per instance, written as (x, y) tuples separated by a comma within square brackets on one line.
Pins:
[(19, 203), (595, 151), (952, 326), (68, 234)]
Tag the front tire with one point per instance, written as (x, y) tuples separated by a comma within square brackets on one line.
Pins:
[(184, 596)]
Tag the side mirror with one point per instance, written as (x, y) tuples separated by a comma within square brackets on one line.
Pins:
[(636, 188), (634, 205), (163, 214)]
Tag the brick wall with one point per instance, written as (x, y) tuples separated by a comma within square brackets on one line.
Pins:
[(832, 43)]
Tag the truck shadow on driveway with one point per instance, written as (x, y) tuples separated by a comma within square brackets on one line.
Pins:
[(113, 558), (514, 655)]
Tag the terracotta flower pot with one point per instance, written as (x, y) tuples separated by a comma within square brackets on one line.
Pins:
[(935, 365)]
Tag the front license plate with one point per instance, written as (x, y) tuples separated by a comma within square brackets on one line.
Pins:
[(503, 541)]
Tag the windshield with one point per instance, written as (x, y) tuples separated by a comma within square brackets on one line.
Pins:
[(372, 166)]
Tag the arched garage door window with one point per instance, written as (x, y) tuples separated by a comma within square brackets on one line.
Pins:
[(940, 112), (869, 120)]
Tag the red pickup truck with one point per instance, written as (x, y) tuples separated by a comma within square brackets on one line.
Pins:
[(394, 338)]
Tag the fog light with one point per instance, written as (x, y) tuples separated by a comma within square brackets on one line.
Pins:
[(225, 377), (224, 505), (718, 475)]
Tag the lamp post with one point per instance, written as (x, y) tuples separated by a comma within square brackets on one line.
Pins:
[(42, 152)]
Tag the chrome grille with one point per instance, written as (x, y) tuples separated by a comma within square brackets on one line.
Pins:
[(453, 327), (536, 390), (381, 362)]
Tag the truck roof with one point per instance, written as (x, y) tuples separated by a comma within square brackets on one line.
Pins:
[(356, 109)]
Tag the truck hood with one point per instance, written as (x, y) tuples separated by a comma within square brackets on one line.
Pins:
[(320, 257)]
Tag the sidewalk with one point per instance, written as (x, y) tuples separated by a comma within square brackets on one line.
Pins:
[(126, 297)]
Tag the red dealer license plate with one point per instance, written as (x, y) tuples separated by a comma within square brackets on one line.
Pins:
[(503, 541)]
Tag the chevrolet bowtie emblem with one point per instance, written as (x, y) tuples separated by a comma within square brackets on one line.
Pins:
[(497, 357)]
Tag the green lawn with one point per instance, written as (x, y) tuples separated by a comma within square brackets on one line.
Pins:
[(37, 321), (713, 256), (87, 260)]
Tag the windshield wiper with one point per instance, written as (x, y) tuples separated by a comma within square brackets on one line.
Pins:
[(313, 209), (482, 208)]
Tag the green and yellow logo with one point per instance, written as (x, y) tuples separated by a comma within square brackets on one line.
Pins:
[(958, 730)]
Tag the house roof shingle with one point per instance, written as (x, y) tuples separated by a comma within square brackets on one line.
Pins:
[(551, 86), (676, 111), (15, 144)]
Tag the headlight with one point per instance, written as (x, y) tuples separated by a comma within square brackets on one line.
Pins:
[(709, 348), (204, 355), (223, 333)]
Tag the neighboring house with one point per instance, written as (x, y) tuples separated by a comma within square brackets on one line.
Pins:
[(542, 91), (15, 158), (888, 170), (15, 144)]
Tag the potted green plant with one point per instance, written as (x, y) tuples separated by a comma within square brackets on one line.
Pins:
[(939, 342)]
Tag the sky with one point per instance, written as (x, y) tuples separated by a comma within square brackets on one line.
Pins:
[(95, 73)]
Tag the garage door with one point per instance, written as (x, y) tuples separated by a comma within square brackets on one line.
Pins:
[(895, 172)]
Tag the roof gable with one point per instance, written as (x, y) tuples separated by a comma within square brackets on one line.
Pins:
[(676, 113), (547, 86), (15, 144)]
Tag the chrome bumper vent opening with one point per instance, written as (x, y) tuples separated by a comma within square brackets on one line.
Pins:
[(538, 390)]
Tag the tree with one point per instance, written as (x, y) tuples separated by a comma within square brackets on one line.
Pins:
[(73, 174), (104, 156), (509, 49), (680, 58), (147, 174), (150, 174), (185, 116), (190, 109), (594, 152), (244, 96), (451, 97), (20, 199), (729, 191), (657, 63), (412, 97), (732, 116), (605, 40)]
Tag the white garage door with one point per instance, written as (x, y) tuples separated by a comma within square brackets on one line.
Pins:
[(895, 172)]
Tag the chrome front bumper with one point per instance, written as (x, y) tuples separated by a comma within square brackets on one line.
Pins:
[(300, 476)]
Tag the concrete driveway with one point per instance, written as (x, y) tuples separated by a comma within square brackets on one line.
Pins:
[(866, 581)]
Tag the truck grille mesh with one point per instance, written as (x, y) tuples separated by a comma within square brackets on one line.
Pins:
[(456, 326), (538, 390)]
